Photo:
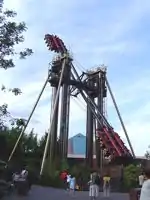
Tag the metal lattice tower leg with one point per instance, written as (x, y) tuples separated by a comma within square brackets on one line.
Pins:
[(105, 107), (53, 134), (101, 109), (64, 116), (89, 137)]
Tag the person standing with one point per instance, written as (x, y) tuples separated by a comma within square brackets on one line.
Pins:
[(63, 177), (94, 186), (141, 180), (145, 191), (24, 173), (68, 180), (72, 185), (15, 178), (106, 185)]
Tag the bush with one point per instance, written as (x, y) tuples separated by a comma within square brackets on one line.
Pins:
[(51, 177), (46, 180), (130, 177), (64, 165)]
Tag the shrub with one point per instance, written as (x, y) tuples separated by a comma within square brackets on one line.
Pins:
[(130, 177), (46, 180), (51, 176)]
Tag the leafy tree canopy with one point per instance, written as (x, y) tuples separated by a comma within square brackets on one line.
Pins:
[(147, 154), (11, 34), (131, 173)]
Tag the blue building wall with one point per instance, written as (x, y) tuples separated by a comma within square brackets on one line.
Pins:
[(78, 144)]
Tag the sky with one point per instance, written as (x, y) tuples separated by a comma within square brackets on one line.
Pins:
[(114, 33)]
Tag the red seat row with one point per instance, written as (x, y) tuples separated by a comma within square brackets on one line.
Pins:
[(112, 143), (54, 43)]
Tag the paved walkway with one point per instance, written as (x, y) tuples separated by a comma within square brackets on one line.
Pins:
[(41, 193)]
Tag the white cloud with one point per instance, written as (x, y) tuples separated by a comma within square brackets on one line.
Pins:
[(101, 38), (15, 4)]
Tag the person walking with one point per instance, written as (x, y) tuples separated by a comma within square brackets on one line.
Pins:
[(106, 185)]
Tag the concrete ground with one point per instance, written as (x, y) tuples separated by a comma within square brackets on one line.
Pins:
[(43, 193)]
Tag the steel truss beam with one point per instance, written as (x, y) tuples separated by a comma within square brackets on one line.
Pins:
[(114, 146), (91, 103)]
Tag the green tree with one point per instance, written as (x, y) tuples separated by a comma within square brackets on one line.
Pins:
[(30, 143), (27, 151), (131, 174), (147, 154), (42, 143), (8, 139), (11, 34)]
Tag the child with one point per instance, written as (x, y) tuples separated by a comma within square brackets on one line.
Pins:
[(72, 184)]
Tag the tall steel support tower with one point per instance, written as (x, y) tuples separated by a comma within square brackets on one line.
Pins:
[(91, 85)]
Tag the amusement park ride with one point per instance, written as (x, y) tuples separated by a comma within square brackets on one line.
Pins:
[(92, 85)]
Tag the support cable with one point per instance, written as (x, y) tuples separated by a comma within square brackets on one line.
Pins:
[(82, 69), (52, 116), (30, 116), (89, 104), (79, 104), (89, 101), (120, 118), (100, 114), (86, 98)]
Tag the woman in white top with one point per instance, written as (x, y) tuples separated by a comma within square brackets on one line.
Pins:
[(68, 180), (72, 184), (145, 191)]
